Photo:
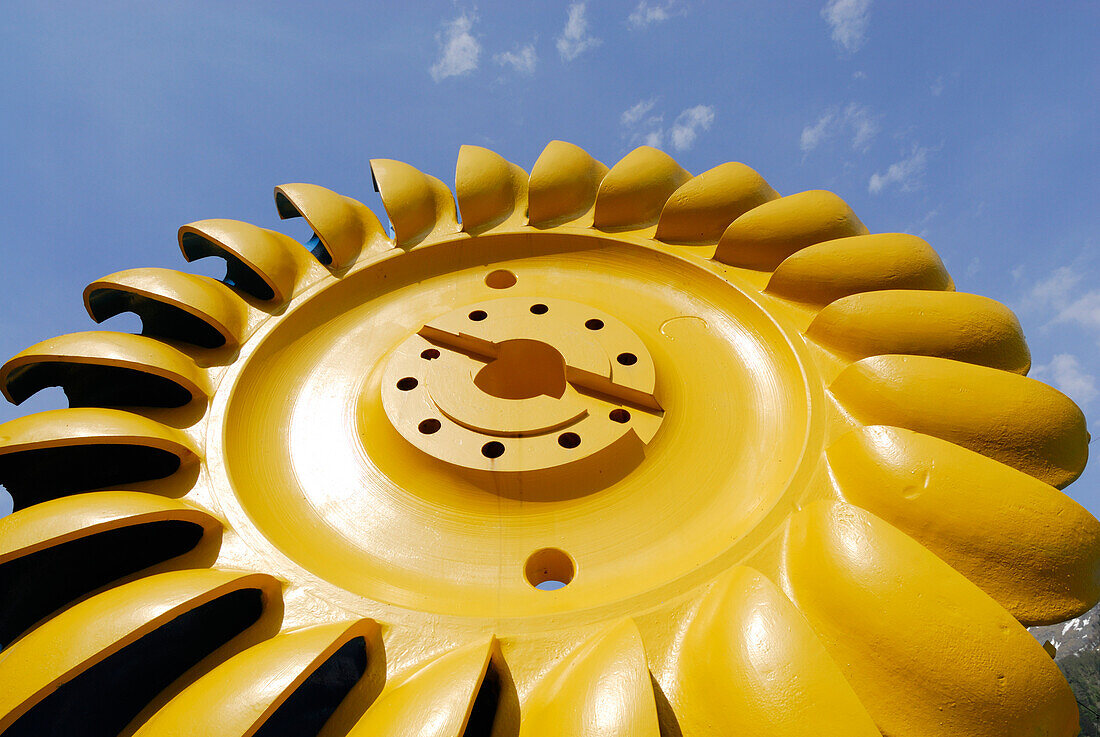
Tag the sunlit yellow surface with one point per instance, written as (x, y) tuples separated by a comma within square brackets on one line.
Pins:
[(782, 478)]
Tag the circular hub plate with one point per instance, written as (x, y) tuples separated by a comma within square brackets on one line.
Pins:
[(511, 385)]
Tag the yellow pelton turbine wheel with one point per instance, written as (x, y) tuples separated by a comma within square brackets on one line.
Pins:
[(622, 452)]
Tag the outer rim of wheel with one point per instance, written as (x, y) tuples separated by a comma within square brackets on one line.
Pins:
[(923, 392)]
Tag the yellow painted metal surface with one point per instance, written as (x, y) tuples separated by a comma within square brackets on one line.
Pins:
[(37, 665), (766, 235), (491, 191), (700, 210), (602, 688), (601, 451), (274, 258), (920, 643), (748, 646), (37, 367), (1032, 554), (230, 701), (1011, 418), (58, 521), (419, 205), (436, 701), (962, 327), (829, 270), (161, 296), (563, 185), (345, 227), (632, 194), (61, 428)]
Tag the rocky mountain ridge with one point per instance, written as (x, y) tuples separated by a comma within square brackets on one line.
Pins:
[(1072, 637), (1077, 653)]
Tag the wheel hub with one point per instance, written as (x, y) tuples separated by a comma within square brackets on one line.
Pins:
[(513, 385)]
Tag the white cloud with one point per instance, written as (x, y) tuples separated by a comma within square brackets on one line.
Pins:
[(1054, 291), (1057, 294), (848, 20), (634, 115), (1068, 303), (640, 125), (1066, 373), (574, 39), (523, 59), (937, 87), (813, 135), (920, 229), (858, 120), (1059, 297), (905, 174), (458, 49), (864, 126), (688, 124), (646, 13), (1085, 311), (974, 267)]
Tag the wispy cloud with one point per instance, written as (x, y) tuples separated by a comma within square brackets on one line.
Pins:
[(1085, 311), (814, 135), (1066, 297), (688, 124), (458, 49), (857, 120), (1058, 296), (1066, 373), (905, 174), (864, 126), (647, 13), (848, 20), (523, 59), (920, 229), (641, 125), (637, 112), (575, 39), (1055, 291), (937, 87)]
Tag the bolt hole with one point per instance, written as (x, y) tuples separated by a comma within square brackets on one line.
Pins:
[(549, 569), (478, 315), (569, 440), (407, 384), (619, 415), (429, 427), (492, 449), (500, 279), (429, 354), (594, 324), (627, 359), (540, 309)]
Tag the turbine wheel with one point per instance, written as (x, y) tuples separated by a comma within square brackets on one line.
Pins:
[(590, 451)]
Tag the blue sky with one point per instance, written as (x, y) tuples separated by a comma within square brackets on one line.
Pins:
[(973, 125)]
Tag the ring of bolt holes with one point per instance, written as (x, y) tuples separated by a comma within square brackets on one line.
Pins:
[(494, 449), (503, 279)]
